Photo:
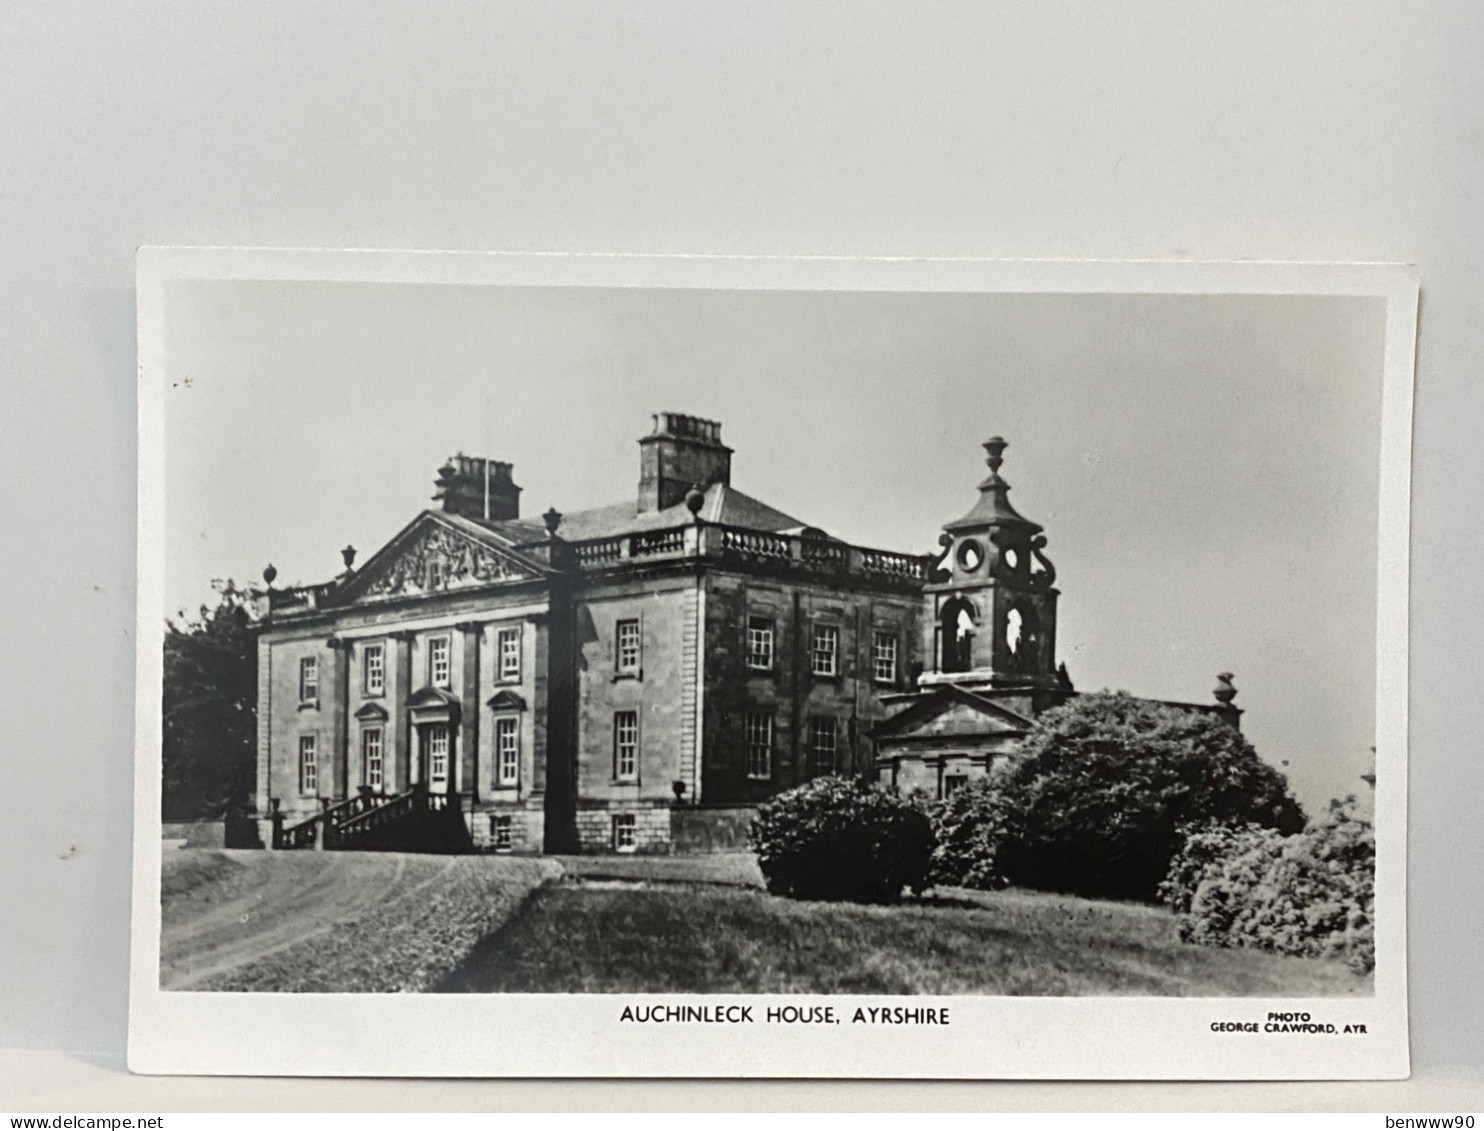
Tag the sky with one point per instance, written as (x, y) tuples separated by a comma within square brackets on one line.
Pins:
[(1206, 467)]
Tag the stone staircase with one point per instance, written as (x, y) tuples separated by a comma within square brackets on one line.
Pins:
[(416, 820)]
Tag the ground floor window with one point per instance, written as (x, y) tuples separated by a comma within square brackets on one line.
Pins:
[(507, 751), (623, 833), (371, 757), (822, 748), (626, 745), (500, 832), (308, 764), (952, 783), (760, 746)]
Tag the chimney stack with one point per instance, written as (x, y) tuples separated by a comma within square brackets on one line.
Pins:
[(478, 488), (680, 453)]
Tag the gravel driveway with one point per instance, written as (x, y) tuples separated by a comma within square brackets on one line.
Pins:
[(330, 921)]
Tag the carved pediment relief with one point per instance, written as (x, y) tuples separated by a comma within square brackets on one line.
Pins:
[(435, 559)]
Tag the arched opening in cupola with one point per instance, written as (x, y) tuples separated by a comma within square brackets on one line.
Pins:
[(1023, 635), (956, 635)]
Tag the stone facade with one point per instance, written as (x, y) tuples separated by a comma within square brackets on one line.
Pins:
[(566, 686), (635, 678)]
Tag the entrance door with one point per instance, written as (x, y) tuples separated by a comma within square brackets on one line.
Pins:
[(435, 756)]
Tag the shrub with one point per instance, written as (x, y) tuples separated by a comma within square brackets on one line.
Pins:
[(834, 838), (968, 826), (1207, 848), (1107, 783), (1310, 894)]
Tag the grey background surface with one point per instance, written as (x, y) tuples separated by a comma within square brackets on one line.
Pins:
[(1130, 129)]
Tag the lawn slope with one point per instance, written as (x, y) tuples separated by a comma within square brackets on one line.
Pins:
[(614, 937), (333, 922)]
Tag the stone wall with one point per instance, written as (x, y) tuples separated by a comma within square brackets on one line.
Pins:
[(789, 690), (701, 830), (196, 834), (595, 829), (656, 692), (527, 829)]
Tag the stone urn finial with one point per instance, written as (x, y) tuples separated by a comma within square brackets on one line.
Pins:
[(553, 519), (348, 556), (270, 574), (695, 499), (995, 446), (1224, 691)]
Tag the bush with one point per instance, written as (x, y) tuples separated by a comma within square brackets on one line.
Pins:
[(1310, 894), (968, 826), (1208, 848), (1107, 784), (839, 839)]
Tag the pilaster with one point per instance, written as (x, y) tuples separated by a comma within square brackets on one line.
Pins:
[(264, 783), (464, 776), (401, 672)]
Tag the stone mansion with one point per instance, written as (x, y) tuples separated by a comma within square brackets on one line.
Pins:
[(636, 677)]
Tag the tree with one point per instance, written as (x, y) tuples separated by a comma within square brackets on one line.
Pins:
[(1109, 784), (210, 711)]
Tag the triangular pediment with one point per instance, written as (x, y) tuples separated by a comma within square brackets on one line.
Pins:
[(951, 712), (438, 553), (372, 713), (506, 700)]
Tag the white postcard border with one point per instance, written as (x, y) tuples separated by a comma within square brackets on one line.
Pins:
[(580, 1035)]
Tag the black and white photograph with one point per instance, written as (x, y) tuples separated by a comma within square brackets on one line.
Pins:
[(818, 657)]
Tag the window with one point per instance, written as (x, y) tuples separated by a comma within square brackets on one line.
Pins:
[(437, 739), (626, 745), (308, 765), (435, 574), (884, 658), (628, 647), (371, 757), (439, 667), (507, 650), (952, 783), (500, 832), (821, 745), (507, 751), (623, 833), (308, 679), (760, 643), (759, 745), (824, 655), (373, 666)]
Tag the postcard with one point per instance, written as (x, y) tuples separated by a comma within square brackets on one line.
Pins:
[(679, 666)]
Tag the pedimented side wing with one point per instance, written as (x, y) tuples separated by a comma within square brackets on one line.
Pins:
[(950, 712)]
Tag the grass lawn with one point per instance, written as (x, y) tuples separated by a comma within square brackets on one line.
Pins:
[(614, 936)]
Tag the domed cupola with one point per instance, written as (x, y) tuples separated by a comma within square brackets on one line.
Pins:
[(991, 595)]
